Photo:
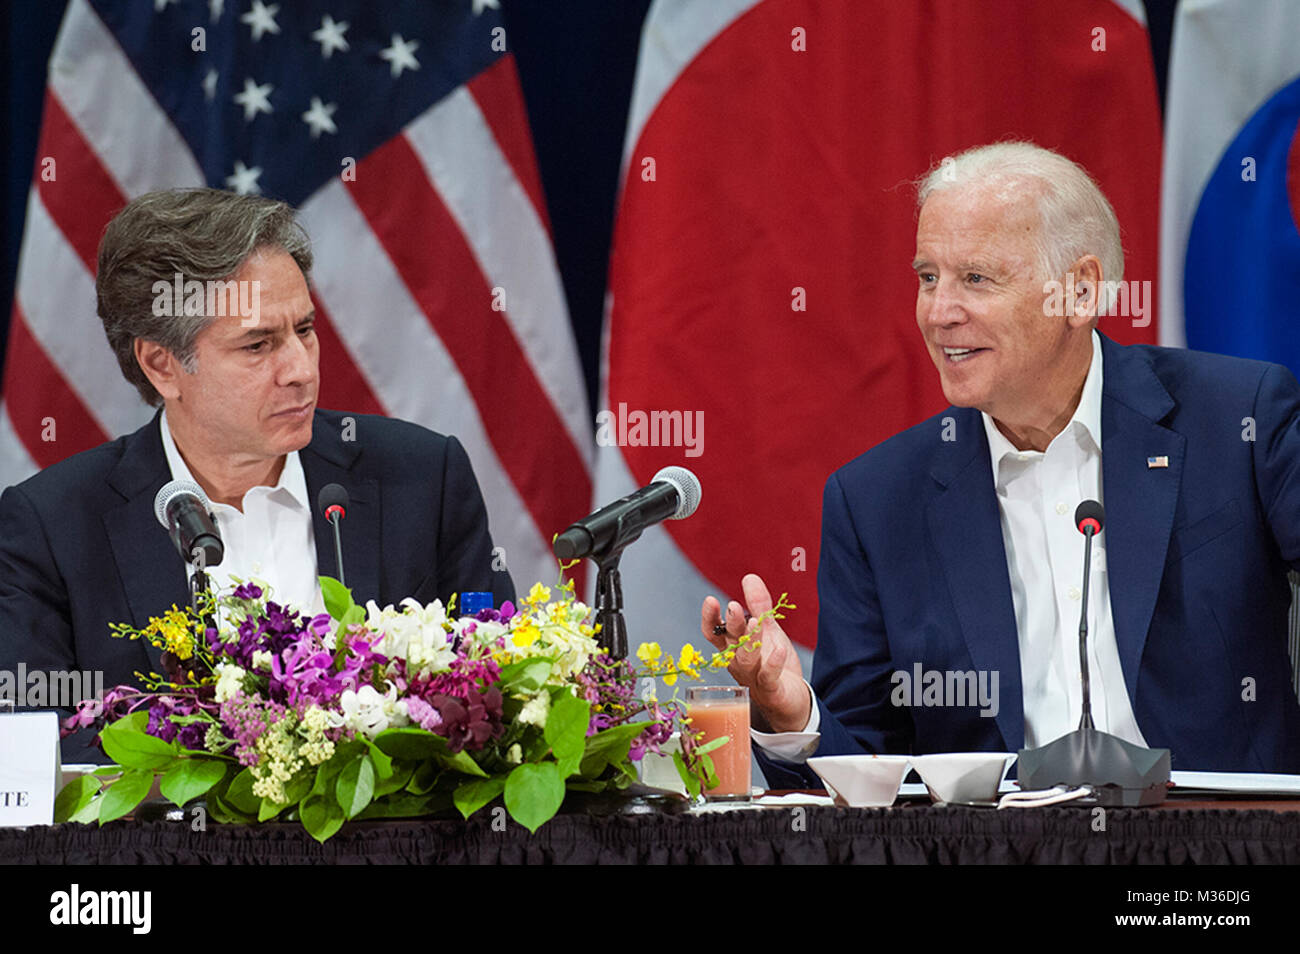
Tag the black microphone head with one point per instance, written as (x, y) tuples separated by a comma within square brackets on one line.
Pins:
[(173, 489), (332, 495), (1090, 514)]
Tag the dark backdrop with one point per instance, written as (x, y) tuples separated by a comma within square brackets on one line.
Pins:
[(576, 59)]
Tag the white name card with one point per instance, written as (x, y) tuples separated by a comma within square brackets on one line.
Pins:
[(29, 768)]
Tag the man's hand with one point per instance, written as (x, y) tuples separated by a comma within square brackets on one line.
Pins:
[(771, 672)]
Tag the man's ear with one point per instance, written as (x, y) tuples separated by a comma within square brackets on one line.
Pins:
[(1087, 291), (160, 367)]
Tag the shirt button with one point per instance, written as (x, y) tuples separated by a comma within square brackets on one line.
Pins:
[(1073, 592), (1061, 508)]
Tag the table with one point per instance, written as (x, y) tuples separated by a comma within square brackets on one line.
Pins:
[(1198, 832)]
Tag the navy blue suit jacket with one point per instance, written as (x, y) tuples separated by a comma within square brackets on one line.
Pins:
[(913, 569), (80, 546)]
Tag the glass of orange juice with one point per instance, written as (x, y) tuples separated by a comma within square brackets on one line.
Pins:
[(719, 711)]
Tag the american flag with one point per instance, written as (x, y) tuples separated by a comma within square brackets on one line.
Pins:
[(398, 130)]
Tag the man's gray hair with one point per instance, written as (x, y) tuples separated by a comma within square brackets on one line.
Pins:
[(1075, 218), (199, 234)]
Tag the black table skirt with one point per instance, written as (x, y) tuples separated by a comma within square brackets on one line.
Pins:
[(913, 835)]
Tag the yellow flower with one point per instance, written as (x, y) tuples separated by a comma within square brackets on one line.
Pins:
[(690, 659), (539, 594), (173, 632), (525, 635), (650, 654)]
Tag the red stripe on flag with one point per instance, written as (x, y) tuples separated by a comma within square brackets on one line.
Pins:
[(342, 385), (430, 253), (500, 98), (38, 398), (82, 197)]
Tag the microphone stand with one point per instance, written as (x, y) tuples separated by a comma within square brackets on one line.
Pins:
[(609, 606), (1119, 773), (638, 798)]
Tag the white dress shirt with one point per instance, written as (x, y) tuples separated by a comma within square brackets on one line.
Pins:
[(272, 540), (1037, 495)]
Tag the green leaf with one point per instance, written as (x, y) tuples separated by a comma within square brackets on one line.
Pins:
[(689, 778), (609, 747), (88, 814), (526, 675), (338, 598), (321, 816), (396, 781), (424, 778), (76, 795), (189, 778), (383, 763), (221, 810), (411, 743), (472, 796), (462, 762), (357, 614), (407, 806), (125, 794), (712, 745), (269, 809), (570, 765), (566, 727), (534, 793), (127, 744), (299, 787), (356, 786), (240, 793)]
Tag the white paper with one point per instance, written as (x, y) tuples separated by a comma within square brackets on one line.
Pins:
[(1241, 782), (29, 768)]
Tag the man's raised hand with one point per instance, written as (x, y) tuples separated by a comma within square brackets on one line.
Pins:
[(772, 672)]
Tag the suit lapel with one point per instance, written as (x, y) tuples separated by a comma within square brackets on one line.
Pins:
[(329, 459), (966, 529), (1140, 500), (151, 571)]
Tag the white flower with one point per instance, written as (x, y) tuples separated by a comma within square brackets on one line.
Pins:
[(514, 754), (369, 713), (536, 710), (230, 680), (262, 660), (414, 633)]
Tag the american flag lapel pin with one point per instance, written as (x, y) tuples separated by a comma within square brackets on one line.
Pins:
[(1156, 462)]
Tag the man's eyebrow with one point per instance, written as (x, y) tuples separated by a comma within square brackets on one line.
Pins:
[(306, 319), (919, 263)]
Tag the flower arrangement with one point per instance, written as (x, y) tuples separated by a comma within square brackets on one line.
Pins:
[(364, 713)]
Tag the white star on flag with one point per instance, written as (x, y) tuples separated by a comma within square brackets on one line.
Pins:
[(481, 5), (319, 117), (244, 180), (330, 36), (210, 85), (261, 19), (401, 54), (160, 5), (216, 8), (254, 99)]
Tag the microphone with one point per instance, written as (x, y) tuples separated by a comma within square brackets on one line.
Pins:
[(184, 510), (333, 502), (1089, 517), (673, 494), (1109, 770)]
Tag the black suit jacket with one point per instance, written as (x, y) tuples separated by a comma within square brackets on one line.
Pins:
[(80, 546)]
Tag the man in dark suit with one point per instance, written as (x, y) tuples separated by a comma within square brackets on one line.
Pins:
[(80, 546), (950, 548)]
